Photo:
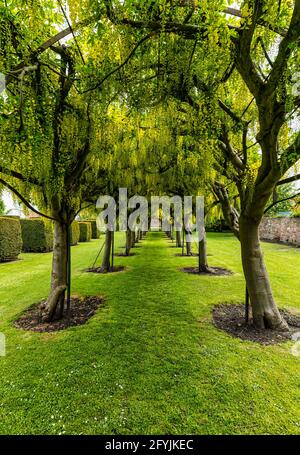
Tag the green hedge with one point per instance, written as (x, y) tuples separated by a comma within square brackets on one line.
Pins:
[(74, 233), (85, 231), (217, 226), (95, 232), (37, 235), (10, 238)]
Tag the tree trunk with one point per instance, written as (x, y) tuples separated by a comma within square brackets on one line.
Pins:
[(128, 242), (105, 266), (132, 238), (188, 248), (264, 310), (188, 245), (141, 235), (203, 263), (59, 273), (230, 213), (178, 239)]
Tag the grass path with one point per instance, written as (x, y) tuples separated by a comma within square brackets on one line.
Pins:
[(150, 361)]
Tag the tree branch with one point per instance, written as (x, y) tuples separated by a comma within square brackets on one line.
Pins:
[(186, 28), (291, 155), (285, 50), (140, 42), (294, 178), (244, 61), (281, 200), (19, 176), (25, 202), (46, 45)]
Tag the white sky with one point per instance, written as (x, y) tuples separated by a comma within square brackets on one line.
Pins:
[(10, 204)]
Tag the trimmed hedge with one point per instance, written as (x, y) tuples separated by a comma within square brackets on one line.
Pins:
[(95, 232), (37, 235), (10, 238), (217, 226), (74, 233), (85, 231)]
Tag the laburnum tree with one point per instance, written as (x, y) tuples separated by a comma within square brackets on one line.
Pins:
[(234, 66), (174, 162), (53, 124), (270, 82), (260, 43)]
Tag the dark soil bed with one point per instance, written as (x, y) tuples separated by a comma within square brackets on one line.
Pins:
[(9, 261), (82, 309), (123, 255), (117, 268), (214, 271), (231, 319)]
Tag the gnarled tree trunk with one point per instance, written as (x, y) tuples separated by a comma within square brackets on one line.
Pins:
[(188, 248), (105, 266), (188, 244), (264, 310), (178, 239), (137, 236), (133, 239), (203, 263), (128, 242), (56, 298)]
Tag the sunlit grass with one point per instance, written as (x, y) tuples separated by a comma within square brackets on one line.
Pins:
[(150, 360)]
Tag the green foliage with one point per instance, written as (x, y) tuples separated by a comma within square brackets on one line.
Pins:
[(2, 206), (296, 210), (85, 231), (37, 235), (74, 233), (10, 238), (217, 225)]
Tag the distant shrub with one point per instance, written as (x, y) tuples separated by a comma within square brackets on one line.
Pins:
[(217, 226), (85, 231), (10, 238), (37, 235), (95, 232), (74, 233)]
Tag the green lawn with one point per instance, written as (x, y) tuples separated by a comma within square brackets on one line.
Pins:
[(150, 360)]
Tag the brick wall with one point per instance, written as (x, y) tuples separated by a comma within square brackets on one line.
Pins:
[(285, 230)]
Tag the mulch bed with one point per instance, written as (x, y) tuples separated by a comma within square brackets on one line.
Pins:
[(231, 319), (81, 310), (117, 268), (9, 261), (214, 271)]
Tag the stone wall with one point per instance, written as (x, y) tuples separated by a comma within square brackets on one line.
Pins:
[(285, 230)]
